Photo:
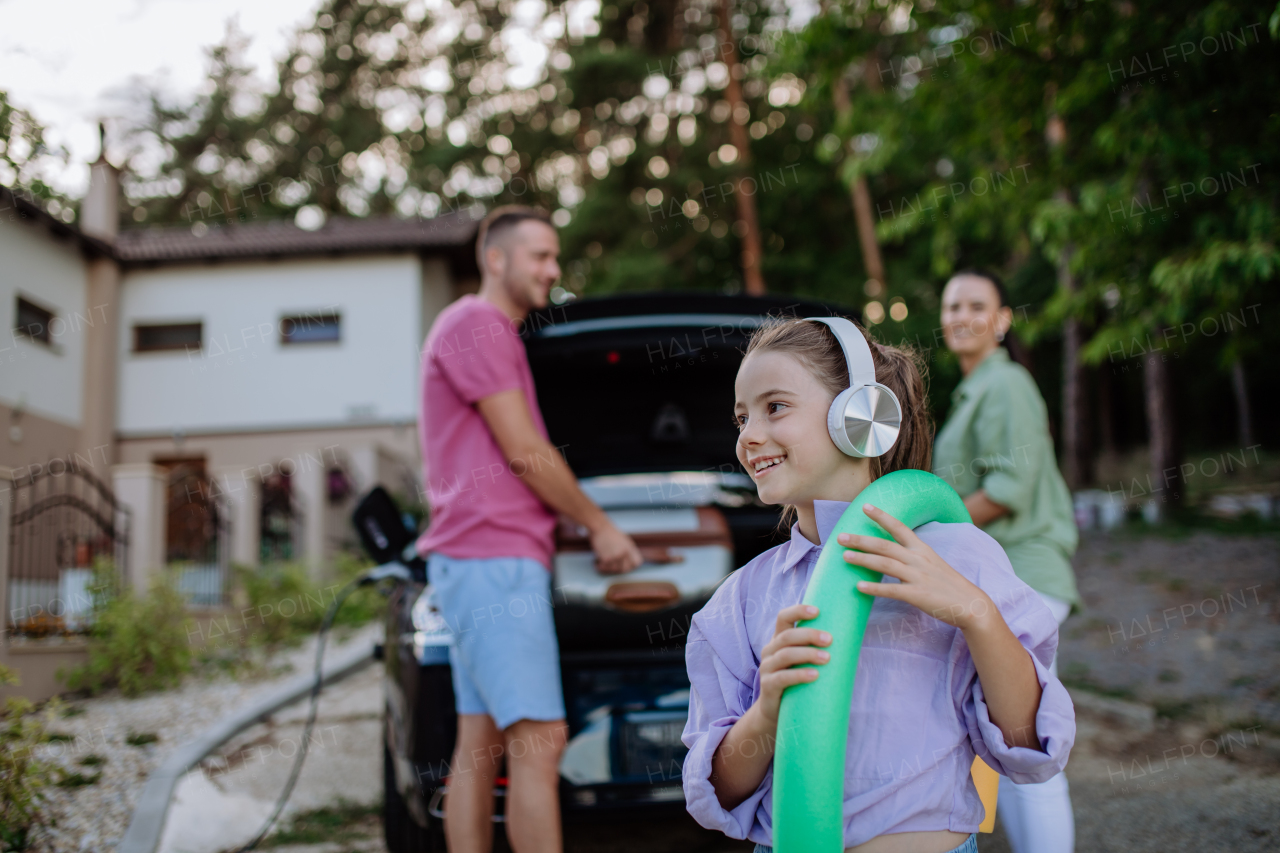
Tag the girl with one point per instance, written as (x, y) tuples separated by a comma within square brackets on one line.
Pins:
[(955, 656)]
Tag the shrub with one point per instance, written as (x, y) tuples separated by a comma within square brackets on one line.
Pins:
[(278, 605), (268, 590), (22, 776), (365, 604), (286, 606), (137, 642)]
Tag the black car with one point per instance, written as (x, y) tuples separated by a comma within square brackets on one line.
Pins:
[(637, 392)]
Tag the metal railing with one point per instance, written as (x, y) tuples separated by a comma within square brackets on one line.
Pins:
[(65, 524), (198, 536)]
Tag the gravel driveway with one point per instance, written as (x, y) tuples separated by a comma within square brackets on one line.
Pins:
[(93, 817), (1184, 630)]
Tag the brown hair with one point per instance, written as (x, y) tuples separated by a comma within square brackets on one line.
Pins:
[(501, 220), (900, 369)]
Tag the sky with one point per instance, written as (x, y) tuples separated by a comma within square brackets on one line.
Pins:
[(69, 62), (62, 59)]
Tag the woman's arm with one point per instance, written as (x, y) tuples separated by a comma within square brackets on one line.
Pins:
[(982, 509), (742, 759)]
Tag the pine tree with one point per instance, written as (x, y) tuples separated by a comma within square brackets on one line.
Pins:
[(387, 109), (28, 161)]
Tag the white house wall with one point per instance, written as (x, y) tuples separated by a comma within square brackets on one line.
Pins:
[(245, 379), (43, 379)]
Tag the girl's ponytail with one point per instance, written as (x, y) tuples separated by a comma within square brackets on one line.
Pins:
[(901, 369)]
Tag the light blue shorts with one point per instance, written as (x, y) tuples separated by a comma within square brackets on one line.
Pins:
[(505, 657), (969, 845)]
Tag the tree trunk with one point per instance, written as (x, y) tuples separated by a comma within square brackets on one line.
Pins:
[(1076, 468), (665, 26), (753, 281), (1106, 411), (1244, 416), (1166, 479), (861, 197)]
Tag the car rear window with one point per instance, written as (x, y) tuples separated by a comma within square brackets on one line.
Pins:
[(640, 400)]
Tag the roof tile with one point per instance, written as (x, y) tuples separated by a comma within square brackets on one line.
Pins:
[(277, 238)]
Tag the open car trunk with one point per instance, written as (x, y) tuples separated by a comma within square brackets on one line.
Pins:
[(637, 393)]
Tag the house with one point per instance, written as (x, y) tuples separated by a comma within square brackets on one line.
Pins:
[(204, 394)]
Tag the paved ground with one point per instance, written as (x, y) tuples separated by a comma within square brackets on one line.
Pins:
[(1189, 624), (1202, 775), (226, 801)]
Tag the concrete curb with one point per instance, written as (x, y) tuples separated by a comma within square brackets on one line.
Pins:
[(147, 824)]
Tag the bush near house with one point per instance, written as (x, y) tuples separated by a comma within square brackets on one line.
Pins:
[(22, 776), (142, 643), (285, 605), (138, 642)]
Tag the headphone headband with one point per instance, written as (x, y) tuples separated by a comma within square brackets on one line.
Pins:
[(857, 354)]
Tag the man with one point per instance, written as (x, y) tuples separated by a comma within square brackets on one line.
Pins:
[(494, 482)]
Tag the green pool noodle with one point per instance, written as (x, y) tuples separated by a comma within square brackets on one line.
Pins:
[(813, 721)]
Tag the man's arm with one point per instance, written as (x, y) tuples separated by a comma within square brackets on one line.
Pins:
[(544, 470)]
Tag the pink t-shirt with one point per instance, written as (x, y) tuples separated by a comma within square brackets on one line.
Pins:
[(479, 506)]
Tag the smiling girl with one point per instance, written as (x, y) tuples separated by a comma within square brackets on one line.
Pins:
[(955, 656)]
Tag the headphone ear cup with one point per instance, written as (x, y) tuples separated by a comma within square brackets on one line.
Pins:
[(865, 421), (835, 423)]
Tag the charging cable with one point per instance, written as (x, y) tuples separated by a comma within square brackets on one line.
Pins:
[(387, 571)]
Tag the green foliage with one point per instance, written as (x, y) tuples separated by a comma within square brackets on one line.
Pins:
[(138, 642), (22, 776), (141, 738), (1041, 140), (1124, 182), (284, 605), (376, 115), (76, 779), (27, 160), (365, 604), (340, 823)]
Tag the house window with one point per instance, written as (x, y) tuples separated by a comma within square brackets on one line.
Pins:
[(33, 321), (311, 329), (168, 336)]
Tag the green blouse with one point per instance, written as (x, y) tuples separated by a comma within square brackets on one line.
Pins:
[(997, 439)]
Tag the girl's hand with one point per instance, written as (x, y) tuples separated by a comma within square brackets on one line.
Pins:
[(789, 646), (927, 582)]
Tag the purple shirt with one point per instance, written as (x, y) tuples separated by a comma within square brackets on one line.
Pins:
[(918, 714)]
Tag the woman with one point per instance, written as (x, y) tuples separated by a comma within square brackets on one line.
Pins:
[(995, 449)]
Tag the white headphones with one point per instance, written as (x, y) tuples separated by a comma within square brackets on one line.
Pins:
[(865, 418)]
